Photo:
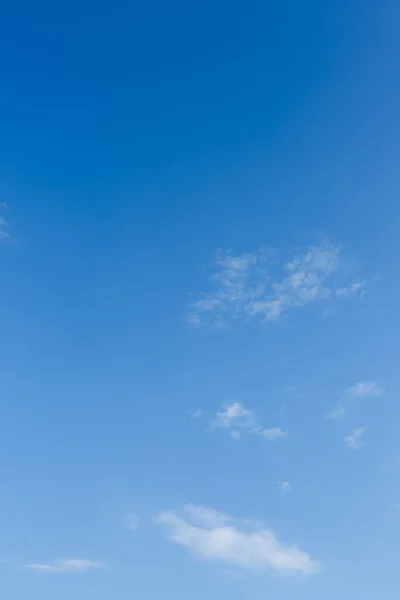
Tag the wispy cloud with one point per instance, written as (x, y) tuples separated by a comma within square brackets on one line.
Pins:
[(362, 389), (254, 550), (273, 434), (236, 418), (337, 411), (4, 233), (132, 521), (196, 414), (285, 487), (252, 286), (65, 565), (205, 517), (353, 441), (391, 464), (356, 288)]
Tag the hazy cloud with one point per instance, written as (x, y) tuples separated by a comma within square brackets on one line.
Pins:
[(362, 389), (132, 521), (4, 228), (365, 388), (196, 414), (353, 441), (337, 411), (273, 434), (205, 517), (353, 289), (285, 487)]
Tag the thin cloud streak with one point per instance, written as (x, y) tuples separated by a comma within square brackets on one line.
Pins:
[(65, 565)]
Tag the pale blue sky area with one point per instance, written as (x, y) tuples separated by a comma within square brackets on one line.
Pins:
[(199, 217)]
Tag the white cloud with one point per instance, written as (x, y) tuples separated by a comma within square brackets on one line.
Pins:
[(256, 550), (365, 388), (65, 565), (252, 286), (353, 441), (133, 521), (235, 416), (285, 487)]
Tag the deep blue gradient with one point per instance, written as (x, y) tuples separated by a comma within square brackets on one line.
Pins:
[(135, 141)]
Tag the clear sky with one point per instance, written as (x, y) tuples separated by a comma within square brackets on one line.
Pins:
[(199, 247)]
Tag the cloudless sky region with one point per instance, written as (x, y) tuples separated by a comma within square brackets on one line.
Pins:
[(199, 248)]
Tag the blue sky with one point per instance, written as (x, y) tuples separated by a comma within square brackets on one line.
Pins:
[(198, 255)]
